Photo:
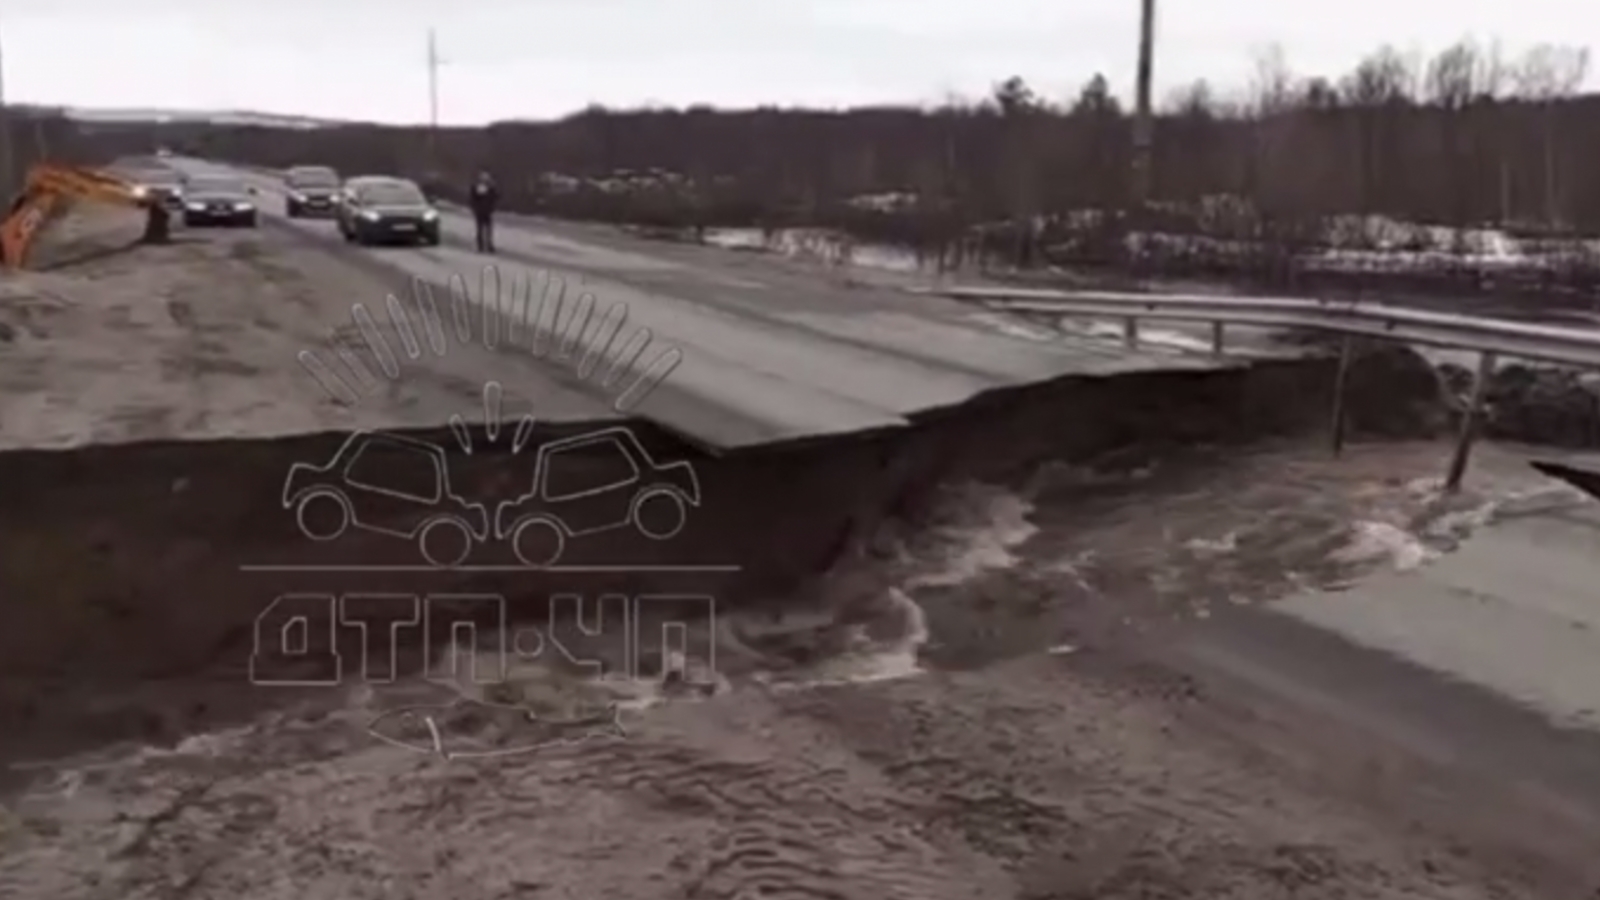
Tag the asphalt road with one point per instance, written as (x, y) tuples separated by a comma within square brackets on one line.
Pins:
[(753, 352)]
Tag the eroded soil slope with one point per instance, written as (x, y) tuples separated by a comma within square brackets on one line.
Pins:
[(1038, 751)]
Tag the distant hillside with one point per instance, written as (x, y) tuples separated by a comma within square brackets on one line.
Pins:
[(169, 116)]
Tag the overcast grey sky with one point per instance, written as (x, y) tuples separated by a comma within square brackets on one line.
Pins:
[(539, 58)]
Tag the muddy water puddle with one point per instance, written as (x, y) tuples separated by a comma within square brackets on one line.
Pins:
[(1079, 556), (1075, 557)]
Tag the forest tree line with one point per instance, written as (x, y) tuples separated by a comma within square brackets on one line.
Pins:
[(1469, 137)]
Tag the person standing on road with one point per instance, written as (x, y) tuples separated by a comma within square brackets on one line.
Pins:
[(485, 197)]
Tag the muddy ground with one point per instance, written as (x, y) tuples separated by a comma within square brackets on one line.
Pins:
[(1048, 750), (1050, 747)]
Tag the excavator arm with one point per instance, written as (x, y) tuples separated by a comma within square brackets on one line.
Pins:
[(47, 191)]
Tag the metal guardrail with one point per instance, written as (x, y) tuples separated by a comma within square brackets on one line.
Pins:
[(1501, 337), (1491, 338)]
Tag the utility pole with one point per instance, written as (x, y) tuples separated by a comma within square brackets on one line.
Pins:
[(1143, 124), (433, 101)]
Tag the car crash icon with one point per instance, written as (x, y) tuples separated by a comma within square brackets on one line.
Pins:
[(593, 483), (391, 485)]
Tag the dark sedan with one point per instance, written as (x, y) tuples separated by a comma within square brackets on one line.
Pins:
[(162, 185), (218, 200), (313, 191), (383, 210)]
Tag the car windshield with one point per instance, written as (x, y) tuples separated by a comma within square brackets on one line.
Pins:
[(208, 184), (313, 178), (392, 194)]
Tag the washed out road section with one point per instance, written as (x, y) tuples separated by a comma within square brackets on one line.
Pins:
[(154, 408), (1028, 777), (768, 355)]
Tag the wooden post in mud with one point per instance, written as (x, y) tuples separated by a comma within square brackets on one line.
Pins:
[(1130, 332), (1341, 381), (1470, 418), (1216, 338)]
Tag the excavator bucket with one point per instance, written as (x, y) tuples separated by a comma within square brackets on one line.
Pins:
[(29, 213), (49, 187), (1586, 480)]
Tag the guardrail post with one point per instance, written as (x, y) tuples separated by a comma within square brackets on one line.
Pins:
[(1216, 338), (1469, 423), (1341, 382), (1130, 332)]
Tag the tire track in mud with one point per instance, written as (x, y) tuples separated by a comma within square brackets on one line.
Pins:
[(1021, 783), (697, 805), (1081, 788), (800, 825)]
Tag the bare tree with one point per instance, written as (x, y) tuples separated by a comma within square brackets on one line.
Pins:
[(1271, 97), (1013, 97), (1385, 77), (1547, 74), (1196, 100), (1381, 86), (1461, 87)]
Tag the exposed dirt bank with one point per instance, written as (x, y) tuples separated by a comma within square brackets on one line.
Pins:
[(124, 563)]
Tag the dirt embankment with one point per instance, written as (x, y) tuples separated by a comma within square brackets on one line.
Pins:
[(130, 564)]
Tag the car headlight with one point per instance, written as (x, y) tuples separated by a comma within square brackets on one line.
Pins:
[(141, 191), (430, 215), (197, 207), (370, 216), (243, 206)]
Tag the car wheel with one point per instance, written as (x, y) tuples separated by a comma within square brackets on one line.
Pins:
[(660, 514), (445, 542), (250, 221), (322, 515), (538, 542)]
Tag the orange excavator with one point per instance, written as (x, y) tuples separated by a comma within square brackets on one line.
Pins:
[(48, 191)]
